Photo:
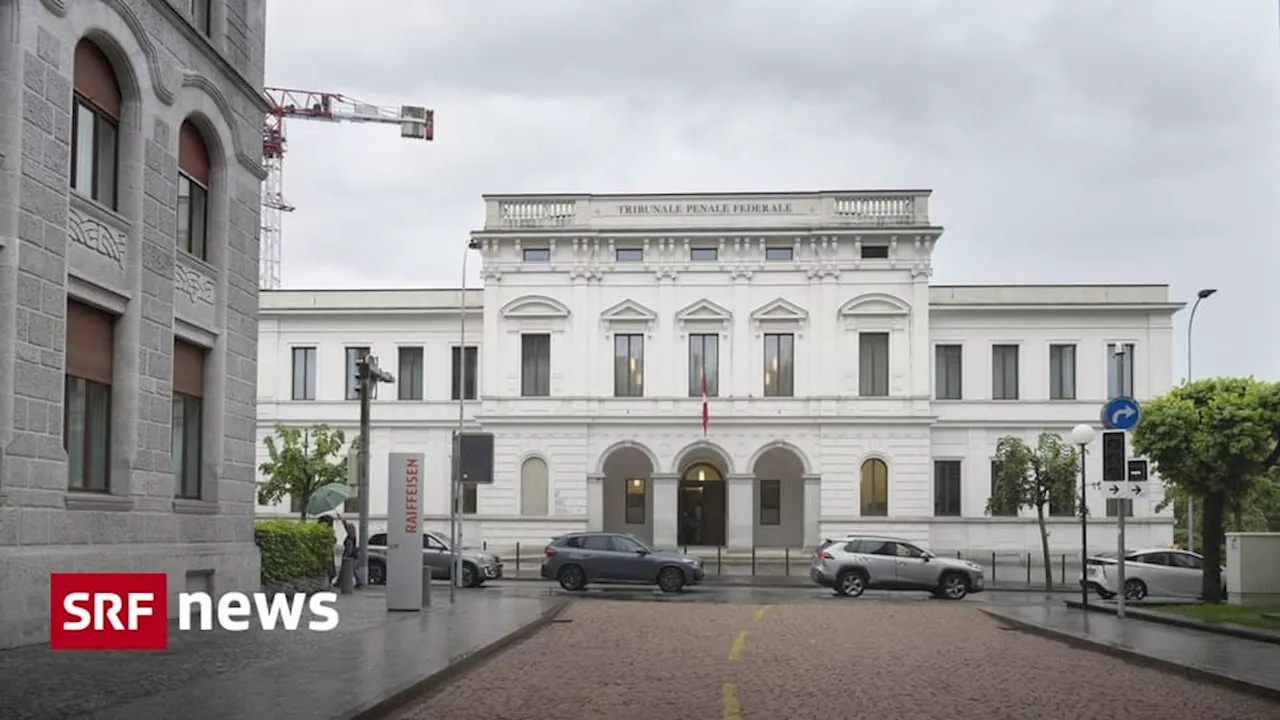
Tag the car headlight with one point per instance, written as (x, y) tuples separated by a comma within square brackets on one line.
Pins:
[(693, 561), (975, 567)]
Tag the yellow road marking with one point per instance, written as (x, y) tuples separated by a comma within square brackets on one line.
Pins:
[(760, 613), (731, 709), (735, 651)]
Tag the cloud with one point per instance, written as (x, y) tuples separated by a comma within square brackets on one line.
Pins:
[(1090, 141)]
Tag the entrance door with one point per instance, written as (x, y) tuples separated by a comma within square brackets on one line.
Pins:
[(702, 505)]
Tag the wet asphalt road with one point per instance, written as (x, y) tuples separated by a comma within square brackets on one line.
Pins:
[(752, 595)]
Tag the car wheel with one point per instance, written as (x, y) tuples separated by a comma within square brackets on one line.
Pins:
[(671, 579), (954, 586), (377, 573), (572, 578), (851, 583), (470, 576), (1134, 589)]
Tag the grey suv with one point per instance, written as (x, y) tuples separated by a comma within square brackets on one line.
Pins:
[(856, 563), (478, 566), (576, 559)]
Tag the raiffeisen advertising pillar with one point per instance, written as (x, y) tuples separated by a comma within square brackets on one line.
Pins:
[(404, 535)]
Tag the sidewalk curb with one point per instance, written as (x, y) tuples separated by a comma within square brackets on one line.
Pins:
[(1138, 657), (1155, 616), (421, 689), (801, 583)]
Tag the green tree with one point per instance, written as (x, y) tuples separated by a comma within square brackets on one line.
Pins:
[(1033, 478), (1214, 442), (301, 461)]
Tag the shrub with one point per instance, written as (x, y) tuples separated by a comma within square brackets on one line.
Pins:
[(293, 550)]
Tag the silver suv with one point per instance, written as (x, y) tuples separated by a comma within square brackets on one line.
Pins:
[(855, 563)]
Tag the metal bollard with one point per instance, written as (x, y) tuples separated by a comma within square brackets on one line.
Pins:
[(718, 549), (426, 586), (753, 559), (517, 558), (347, 576), (786, 562), (1028, 568), (1064, 569), (994, 570)]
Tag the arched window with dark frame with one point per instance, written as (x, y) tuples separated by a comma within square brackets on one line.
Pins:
[(95, 126), (875, 488), (193, 192)]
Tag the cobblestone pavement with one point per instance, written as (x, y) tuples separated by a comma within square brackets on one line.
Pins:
[(650, 660)]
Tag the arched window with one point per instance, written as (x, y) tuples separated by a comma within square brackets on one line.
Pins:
[(95, 126), (533, 487), (193, 192), (875, 488)]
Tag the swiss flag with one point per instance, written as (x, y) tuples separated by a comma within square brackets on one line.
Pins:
[(706, 414)]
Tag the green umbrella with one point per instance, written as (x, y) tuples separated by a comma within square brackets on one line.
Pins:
[(328, 498)]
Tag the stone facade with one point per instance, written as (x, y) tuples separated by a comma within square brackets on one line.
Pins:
[(57, 244)]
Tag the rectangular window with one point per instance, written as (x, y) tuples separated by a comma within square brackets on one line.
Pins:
[(193, 214), (1004, 372), (464, 388), (875, 252), (470, 502), (635, 501), (187, 436), (86, 422), (873, 364), (704, 254), (628, 365), (200, 16), (629, 255), (304, 373), (704, 356), (1114, 505), (1119, 369), (779, 365), (1062, 372), (94, 145), (537, 255), (409, 381), (355, 355), (949, 372), (770, 502), (535, 365), (946, 488), (999, 510), (778, 253)]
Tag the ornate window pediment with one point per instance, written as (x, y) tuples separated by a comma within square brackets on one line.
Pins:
[(780, 315), (629, 313), (704, 313), (875, 304), (535, 307)]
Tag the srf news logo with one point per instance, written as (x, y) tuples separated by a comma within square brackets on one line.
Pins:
[(129, 611)]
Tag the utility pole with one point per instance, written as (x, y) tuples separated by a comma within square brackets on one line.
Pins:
[(369, 375)]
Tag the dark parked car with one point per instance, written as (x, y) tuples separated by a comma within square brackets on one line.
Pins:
[(576, 559)]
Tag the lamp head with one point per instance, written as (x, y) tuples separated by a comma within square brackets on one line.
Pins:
[(1206, 293), (1082, 434)]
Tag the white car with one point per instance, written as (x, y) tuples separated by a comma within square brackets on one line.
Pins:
[(1159, 572)]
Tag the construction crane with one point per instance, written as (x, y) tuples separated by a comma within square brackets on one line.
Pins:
[(415, 122)]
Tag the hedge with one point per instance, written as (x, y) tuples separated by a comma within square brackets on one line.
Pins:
[(292, 550)]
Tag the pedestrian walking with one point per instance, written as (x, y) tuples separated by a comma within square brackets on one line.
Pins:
[(350, 549)]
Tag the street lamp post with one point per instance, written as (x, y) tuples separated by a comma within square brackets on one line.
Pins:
[(1082, 435), (1191, 500), (455, 481)]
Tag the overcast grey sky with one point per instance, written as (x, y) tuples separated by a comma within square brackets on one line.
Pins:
[(1067, 141)]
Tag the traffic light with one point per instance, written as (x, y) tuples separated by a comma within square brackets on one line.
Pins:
[(1113, 462)]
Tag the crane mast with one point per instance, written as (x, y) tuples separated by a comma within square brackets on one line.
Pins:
[(415, 122)]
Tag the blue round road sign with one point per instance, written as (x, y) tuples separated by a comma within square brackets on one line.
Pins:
[(1121, 413)]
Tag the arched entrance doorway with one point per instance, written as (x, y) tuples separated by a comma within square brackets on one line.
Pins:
[(702, 505)]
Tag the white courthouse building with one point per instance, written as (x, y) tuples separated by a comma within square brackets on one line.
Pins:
[(846, 392)]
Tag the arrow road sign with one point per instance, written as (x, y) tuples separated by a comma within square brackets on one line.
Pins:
[(1121, 413), (1137, 490), (1114, 490)]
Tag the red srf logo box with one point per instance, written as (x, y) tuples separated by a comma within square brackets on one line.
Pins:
[(108, 611)]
